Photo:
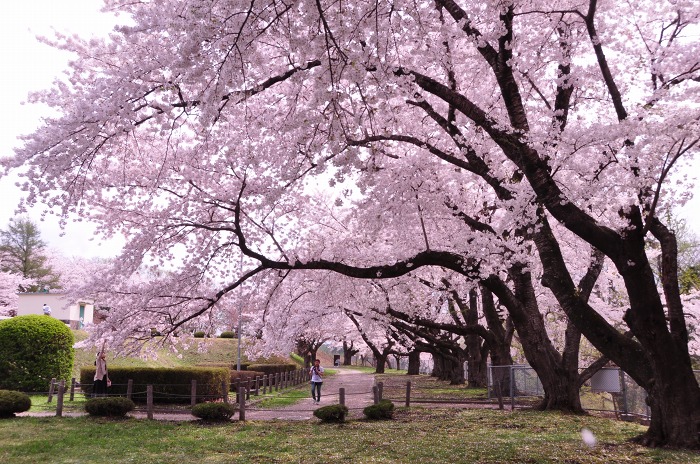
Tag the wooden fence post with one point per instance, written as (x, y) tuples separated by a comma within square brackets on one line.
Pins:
[(257, 385), (247, 389), (51, 387), (265, 380), (193, 392), (241, 404), (408, 394), (341, 396), (277, 382), (224, 391), (236, 387), (129, 388), (59, 399), (380, 389), (149, 401), (72, 389), (375, 393)]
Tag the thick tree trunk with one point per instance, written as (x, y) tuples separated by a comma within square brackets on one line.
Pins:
[(476, 364), (414, 363), (658, 361), (456, 371), (381, 362), (348, 352), (448, 367), (561, 392), (674, 414), (438, 366)]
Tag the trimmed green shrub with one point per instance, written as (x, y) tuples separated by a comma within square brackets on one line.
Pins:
[(109, 407), (33, 350), (332, 413), (170, 385), (213, 412), (382, 410), (273, 368), (228, 365), (199, 334), (235, 375), (12, 402), (228, 334)]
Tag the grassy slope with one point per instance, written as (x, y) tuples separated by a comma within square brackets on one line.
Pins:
[(219, 350)]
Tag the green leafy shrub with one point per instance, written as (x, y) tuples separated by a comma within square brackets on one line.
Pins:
[(332, 413), (109, 407), (213, 412), (228, 334), (199, 334), (382, 410), (273, 368), (170, 385), (228, 365), (33, 350), (235, 375), (12, 402)]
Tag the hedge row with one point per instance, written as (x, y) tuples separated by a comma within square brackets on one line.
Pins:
[(268, 369), (170, 385), (230, 365)]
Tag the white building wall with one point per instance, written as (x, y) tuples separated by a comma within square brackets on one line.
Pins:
[(61, 308)]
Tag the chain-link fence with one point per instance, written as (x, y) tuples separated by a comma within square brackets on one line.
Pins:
[(609, 390)]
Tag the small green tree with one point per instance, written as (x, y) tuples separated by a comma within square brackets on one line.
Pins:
[(690, 279), (21, 253), (33, 350)]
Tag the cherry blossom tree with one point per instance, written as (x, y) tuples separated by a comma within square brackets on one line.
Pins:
[(9, 296), (455, 134)]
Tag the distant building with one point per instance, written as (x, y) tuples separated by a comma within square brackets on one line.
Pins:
[(76, 314)]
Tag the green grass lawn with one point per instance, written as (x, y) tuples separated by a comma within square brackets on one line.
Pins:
[(414, 436)]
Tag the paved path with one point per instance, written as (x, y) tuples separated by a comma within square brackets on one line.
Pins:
[(358, 394)]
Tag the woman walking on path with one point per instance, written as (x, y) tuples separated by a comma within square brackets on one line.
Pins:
[(316, 381)]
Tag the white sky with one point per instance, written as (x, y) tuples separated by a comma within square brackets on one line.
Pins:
[(29, 65)]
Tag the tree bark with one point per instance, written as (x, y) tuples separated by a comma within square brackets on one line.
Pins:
[(348, 352), (414, 362), (476, 363)]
